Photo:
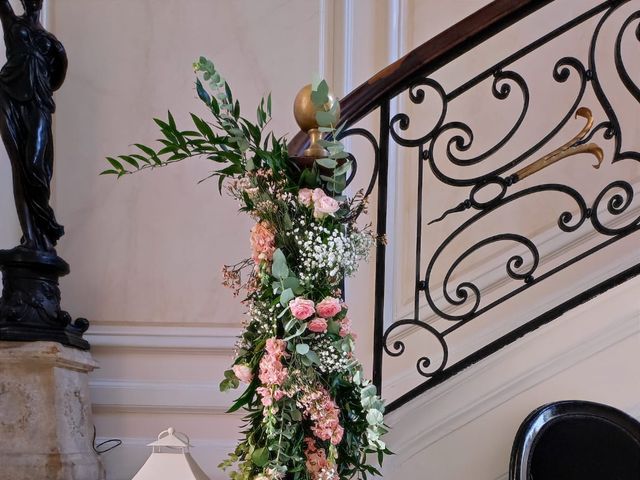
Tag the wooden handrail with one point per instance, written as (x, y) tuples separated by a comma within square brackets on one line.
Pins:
[(428, 57)]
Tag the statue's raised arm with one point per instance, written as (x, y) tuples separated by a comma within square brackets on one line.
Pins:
[(6, 9), (6, 14)]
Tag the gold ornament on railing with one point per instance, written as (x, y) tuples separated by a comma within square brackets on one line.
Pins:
[(305, 112), (572, 147), (576, 145)]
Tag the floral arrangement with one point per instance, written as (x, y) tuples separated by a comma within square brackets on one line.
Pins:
[(310, 412)]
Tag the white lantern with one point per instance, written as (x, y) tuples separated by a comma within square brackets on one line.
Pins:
[(170, 459)]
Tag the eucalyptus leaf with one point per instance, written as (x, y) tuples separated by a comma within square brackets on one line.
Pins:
[(291, 282), (300, 331), (326, 119), (302, 348), (374, 417), (320, 95), (286, 297), (305, 361), (338, 155), (279, 268), (327, 162), (290, 324), (342, 169), (313, 356)]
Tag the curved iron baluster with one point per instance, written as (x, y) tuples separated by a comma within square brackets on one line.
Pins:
[(424, 362), (561, 73), (501, 92), (614, 130), (361, 132), (620, 67), (616, 205), (564, 223), (402, 120)]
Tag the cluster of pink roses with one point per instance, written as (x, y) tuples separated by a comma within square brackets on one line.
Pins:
[(272, 372), (318, 407), (322, 203), (263, 242), (302, 309), (317, 462)]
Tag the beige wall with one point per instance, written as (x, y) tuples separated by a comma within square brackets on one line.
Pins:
[(146, 251)]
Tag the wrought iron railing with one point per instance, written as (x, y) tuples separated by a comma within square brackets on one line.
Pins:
[(455, 302)]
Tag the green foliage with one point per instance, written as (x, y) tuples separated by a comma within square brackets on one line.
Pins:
[(338, 161), (233, 142), (267, 183), (279, 267)]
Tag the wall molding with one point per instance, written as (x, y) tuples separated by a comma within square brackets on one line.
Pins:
[(124, 396), (177, 339), (456, 403), (139, 396)]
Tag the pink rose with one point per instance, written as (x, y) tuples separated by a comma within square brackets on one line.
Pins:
[(345, 327), (301, 308), (318, 325), (328, 307), (325, 206), (317, 194), (305, 196), (243, 373)]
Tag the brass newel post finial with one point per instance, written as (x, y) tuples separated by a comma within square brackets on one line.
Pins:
[(305, 112)]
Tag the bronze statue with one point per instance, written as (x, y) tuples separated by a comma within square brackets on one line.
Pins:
[(36, 67)]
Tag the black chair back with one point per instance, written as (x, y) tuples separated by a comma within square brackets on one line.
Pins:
[(576, 440)]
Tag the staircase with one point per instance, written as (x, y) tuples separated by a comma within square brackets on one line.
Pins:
[(509, 277)]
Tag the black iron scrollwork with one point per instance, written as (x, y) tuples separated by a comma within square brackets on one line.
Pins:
[(500, 181)]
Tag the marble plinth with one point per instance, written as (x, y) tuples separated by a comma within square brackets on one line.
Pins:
[(46, 431)]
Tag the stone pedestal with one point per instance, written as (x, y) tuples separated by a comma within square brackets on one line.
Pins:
[(46, 431)]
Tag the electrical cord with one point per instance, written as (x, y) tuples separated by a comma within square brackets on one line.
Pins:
[(97, 447)]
